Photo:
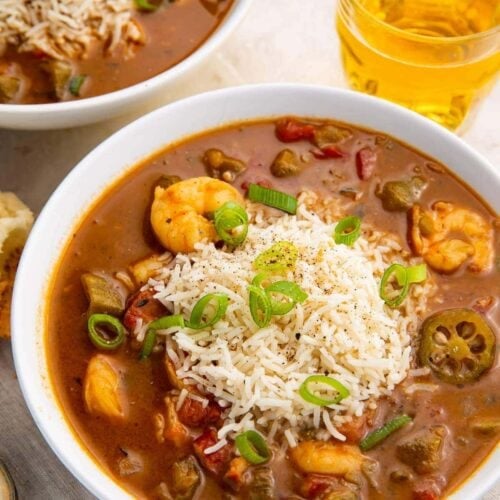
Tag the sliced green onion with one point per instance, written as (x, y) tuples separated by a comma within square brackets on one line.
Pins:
[(158, 324), (253, 447), (260, 306), (110, 322), (197, 320), (282, 256), (378, 435), (263, 278), (231, 223), (288, 289), (260, 278), (307, 394), (145, 5), (273, 198), (405, 276), (391, 298), (414, 274), (75, 84), (347, 230), (280, 307), (148, 344), (167, 322)]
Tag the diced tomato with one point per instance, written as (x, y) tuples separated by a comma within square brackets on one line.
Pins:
[(214, 462), (327, 152), (39, 54), (193, 414), (143, 306), (290, 130), (313, 486), (355, 429), (424, 495), (366, 161)]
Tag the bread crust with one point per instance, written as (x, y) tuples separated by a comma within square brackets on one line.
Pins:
[(6, 286), (16, 220)]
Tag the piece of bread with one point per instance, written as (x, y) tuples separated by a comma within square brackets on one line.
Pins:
[(16, 220)]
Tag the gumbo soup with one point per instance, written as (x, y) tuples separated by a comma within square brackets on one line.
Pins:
[(282, 309), (53, 51)]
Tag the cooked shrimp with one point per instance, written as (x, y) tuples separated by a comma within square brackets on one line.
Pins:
[(320, 457), (103, 392), (448, 235), (174, 432), (178, 213)]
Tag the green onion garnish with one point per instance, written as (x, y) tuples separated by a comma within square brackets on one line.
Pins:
[(272, 198), (405, 276), (253, 447), (159, 324), (231, 223), (347, 230), (260, 278), (111, 323), (75, 84), (260, 306), (307, 394), (167, 322), (282, 256), (145, 5), (414, 274), (197, 321), (288, 289), (148, 344), (389, 294), (378, 435)]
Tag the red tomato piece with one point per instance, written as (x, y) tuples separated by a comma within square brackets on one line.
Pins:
[(193, 414), (291, 130), (356, 428), (214, 462), (143, 306), (327, 152), (366, 161), (313, 486), (39, 54), (424, 495)]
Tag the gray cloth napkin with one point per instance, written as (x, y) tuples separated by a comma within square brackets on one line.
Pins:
[(37, 472)]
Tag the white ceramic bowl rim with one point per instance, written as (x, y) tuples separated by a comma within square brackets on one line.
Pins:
[(124, 149), (133, 92)]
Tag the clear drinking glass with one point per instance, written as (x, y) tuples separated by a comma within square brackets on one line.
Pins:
[(437, 57)]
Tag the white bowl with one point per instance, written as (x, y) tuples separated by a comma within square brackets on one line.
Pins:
[(123, 150), (106, 106)]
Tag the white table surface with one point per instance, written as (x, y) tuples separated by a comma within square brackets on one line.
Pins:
[(279, 41)]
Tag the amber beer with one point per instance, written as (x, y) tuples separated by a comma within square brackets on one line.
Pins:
[(437, 57)]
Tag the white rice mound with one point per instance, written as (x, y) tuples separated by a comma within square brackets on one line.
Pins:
[(64, 29), (346, 330)]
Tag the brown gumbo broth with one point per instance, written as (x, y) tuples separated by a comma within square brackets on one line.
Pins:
[(116, 233), (171, 33)]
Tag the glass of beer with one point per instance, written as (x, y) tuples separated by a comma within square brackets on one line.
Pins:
[(437, 57)]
